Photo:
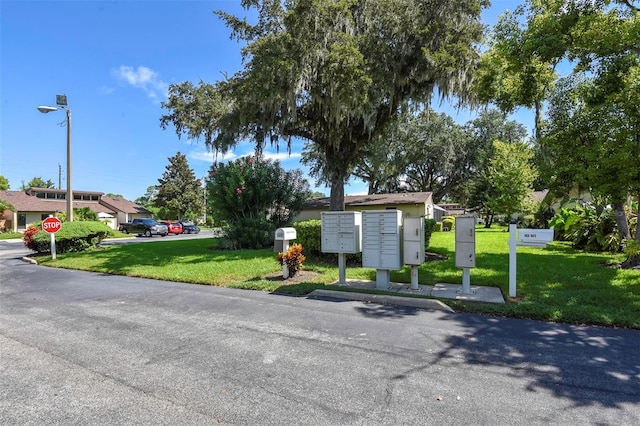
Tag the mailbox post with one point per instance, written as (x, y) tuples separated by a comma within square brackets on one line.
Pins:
[(281, 245), (466, 249), (528, 238)]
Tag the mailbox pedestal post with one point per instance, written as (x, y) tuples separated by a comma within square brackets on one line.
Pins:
[(466, 249), (283, 235), (528, 238), (512, 259)]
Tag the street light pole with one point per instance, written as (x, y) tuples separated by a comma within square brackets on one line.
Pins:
[(69, 186), (62, 103)]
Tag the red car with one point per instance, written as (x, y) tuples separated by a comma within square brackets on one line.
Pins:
[(173, 227)]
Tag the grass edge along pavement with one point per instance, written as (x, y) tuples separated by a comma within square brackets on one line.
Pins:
[(556, 284)]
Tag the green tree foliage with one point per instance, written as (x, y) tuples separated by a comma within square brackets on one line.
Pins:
[(600, 40), (333, 72), (85, 214), (4, 183), (510, 74), (510, 177), (179, 191), (38, 182), (592, 145), (5, 205), (382, 163), (491, 125), (437, 156), (149, 197), (253, 197)]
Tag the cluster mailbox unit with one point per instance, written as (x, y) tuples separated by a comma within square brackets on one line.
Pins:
[(466, 249), (380, 236), (341, 233), (381, 249), (413, 246)]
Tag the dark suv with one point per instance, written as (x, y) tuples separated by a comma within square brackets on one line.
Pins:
[(189, 228)]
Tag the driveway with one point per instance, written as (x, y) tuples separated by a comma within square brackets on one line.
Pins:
[(87, 348)]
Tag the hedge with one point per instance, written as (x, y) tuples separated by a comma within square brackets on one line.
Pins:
[(73, 236)]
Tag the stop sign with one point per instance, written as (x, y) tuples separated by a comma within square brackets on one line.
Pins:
[(51, 225)]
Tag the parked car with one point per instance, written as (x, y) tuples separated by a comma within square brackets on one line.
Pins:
[(174, 227), (146, 227), (189, 228)]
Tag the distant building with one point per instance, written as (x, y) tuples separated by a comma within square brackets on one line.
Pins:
[(36, 204), (412, 204)]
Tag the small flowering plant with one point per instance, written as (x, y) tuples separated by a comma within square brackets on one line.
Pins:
[(293, 258)]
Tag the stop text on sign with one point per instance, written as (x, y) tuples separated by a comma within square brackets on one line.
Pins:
[(51, 225)]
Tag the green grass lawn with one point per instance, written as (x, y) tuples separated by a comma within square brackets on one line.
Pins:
[(554, 284)]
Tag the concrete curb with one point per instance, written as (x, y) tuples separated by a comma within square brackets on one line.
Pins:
[(382, 299), (29, 260)]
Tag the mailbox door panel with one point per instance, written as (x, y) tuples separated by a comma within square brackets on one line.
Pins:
[(413, 253), (465, 255)]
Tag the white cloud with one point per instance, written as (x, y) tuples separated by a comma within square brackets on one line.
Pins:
[(142, 78), (281, 156), (211, 156)]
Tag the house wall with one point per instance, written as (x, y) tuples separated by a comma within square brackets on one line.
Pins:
[(33, 218)]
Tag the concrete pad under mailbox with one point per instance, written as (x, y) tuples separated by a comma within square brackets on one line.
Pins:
[(440, 290), (478, 293)]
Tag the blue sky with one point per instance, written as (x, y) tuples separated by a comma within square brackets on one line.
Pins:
[(114, 60)]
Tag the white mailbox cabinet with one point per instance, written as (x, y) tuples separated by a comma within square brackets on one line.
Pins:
[(381, 232), (413, 241), (341, 232), (465, 242)]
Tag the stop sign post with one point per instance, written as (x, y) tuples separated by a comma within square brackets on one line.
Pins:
[(52, 225)]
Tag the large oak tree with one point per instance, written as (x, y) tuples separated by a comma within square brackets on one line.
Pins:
[(333, 72)]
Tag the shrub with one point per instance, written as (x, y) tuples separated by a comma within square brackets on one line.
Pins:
[(448, 222), (589, 227), (309, 234), (73, 236), (28, 235), (429, 228), (248, 233), (526, 221), (254, 196), (293, 258)]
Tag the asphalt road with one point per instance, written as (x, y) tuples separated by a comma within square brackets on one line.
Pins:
[(81, 348)]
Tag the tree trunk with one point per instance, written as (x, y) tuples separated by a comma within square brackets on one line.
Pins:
[(336, 197), (621, 220), (488, 220)]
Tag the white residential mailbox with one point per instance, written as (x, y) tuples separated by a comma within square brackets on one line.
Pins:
[(341, 232), (282, 238), (413, 241), (286, 234), (465, 242), (381, 239)]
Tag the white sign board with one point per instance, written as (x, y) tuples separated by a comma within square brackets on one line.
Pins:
[(535, 235)]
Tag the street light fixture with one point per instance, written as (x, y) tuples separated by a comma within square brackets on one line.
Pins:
[(61, 100)]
